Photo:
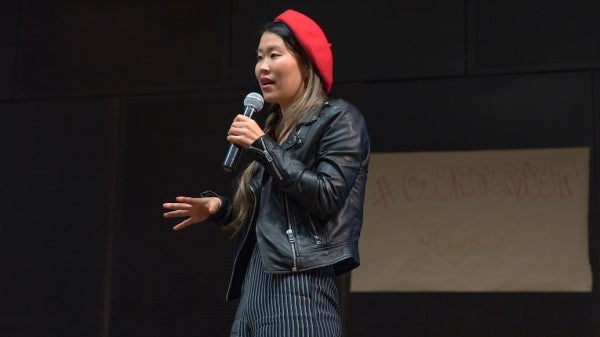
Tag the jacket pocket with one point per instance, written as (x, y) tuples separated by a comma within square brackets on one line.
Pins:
[(318, 230)]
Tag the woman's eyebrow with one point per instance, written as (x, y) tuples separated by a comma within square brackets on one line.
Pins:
[(268, 49)]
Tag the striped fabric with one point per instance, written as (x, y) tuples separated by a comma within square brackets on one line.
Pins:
[(304, 304)]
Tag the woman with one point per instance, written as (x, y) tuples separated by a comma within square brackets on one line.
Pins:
[(298, 207)]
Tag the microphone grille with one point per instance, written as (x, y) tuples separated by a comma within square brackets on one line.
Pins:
[(254, 100)]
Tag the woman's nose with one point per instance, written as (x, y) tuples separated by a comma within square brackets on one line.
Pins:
[(262, 66)]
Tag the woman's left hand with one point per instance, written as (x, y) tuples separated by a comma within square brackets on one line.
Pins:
[(244, 131)]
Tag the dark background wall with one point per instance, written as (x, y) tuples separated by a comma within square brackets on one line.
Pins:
[(108, 108)]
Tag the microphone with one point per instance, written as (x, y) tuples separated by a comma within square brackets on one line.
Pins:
[(252, 103)]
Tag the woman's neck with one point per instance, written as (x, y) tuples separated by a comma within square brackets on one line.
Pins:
[(284, 127)]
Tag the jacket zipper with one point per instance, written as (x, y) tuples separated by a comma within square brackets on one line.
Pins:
[(270, 160), (298, 140), (245, 238), (317, 238), (290, 232), (290, 235), (291, 238)]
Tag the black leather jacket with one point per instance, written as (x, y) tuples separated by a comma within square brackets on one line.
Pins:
[(308, 196)]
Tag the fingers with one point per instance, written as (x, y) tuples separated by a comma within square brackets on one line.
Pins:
[(196, 209), (176, 205), (182, 224), (177, 214), (238, 127), (244, 131), (241, 118), (185, 200), (241, 124), (178, 209)]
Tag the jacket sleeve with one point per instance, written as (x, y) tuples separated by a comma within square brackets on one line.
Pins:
[(223, 215), (341, 151)]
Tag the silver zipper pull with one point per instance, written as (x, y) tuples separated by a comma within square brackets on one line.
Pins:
[(290, 235), (292, 240)]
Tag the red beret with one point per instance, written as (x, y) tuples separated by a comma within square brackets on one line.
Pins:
[(313, 41)]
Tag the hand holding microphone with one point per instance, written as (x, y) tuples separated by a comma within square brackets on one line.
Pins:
[(243, 131)]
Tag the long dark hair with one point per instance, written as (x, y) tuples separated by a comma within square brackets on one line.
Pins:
[(312, 98)]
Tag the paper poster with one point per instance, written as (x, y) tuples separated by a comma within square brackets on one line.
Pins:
[(497, 220)]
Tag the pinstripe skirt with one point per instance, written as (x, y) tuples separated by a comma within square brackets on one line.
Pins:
[(303, 304)]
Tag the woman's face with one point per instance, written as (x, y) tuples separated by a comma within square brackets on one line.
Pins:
[(277, 71)]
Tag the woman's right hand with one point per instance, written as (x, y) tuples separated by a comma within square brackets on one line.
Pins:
[(196, 209)]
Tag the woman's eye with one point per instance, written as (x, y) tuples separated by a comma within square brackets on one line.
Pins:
[(274, 56)]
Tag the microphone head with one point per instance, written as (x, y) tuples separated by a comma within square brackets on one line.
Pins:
[(254, 101)]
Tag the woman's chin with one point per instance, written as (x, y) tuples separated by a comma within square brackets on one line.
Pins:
[(269, 98)]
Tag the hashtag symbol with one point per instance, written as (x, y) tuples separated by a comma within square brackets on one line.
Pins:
[(384, 193)]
